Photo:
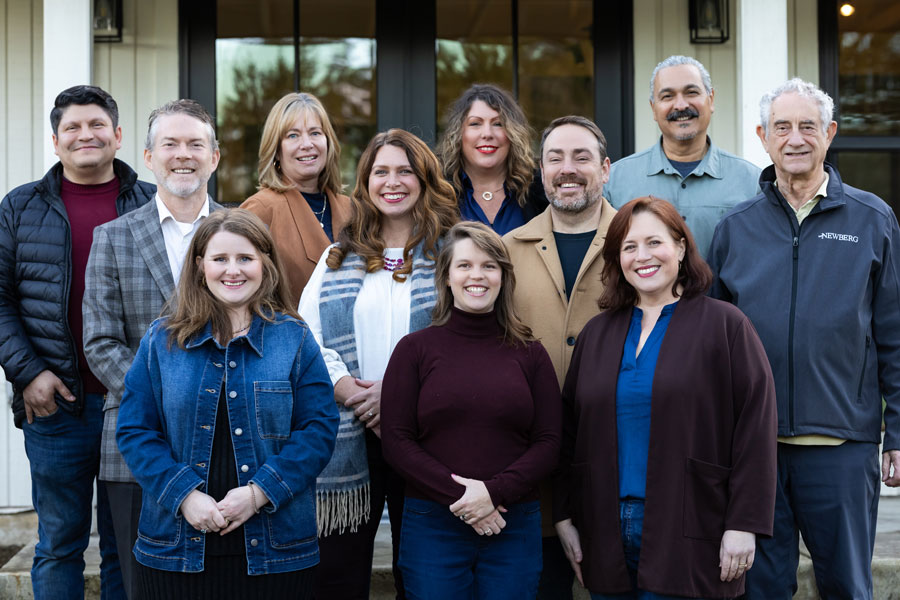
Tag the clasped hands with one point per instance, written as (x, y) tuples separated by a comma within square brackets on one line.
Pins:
[(205, 514), (364, 397), (476, 509)]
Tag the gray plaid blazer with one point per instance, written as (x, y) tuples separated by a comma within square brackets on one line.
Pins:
[(127, 282)]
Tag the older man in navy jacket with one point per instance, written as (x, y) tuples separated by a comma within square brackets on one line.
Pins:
[(815, 264)]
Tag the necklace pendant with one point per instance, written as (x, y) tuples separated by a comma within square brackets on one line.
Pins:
[(321, 224), (488, 196)]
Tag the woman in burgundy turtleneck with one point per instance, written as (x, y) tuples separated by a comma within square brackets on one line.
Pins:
[(471, 419)]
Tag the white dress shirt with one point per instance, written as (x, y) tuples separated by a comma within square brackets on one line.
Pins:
[(178, 235)]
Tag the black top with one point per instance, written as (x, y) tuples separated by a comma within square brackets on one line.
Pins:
[(571, 248), (317, 203), (222, 478)]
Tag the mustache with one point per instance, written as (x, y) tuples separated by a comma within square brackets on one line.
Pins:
[(569, 179), (678, 114)]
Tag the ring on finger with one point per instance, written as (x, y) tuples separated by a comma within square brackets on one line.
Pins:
[(202, 531)]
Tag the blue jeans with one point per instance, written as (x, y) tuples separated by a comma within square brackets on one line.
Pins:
[(442, 558), (64, 454), (631, 518)]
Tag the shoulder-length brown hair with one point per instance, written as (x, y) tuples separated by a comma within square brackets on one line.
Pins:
[(519, 161), (281, 118), (193, 306), (485, 239), (433, 213), (694, 275)]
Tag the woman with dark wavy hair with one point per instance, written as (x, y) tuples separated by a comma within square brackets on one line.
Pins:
[(669, 395), (471, 421), (369, 290), (486, 154)]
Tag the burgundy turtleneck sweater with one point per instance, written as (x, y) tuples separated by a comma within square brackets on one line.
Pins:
[(456, 399)]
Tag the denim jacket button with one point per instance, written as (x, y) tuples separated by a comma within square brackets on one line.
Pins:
[(244, 468), (254, 543), (232, 394), (232, 364), (238, 431)]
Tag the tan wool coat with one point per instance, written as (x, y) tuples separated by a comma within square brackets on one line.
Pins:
[(296, 230), (541, 302)]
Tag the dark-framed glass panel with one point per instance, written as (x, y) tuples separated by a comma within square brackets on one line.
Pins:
[(859, 57)]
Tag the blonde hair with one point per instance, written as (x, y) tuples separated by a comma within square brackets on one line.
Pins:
[(193, 306), (485, 239), (520, 160), (433, 213), (282, 117)]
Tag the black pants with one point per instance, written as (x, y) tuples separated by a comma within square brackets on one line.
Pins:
[(125, 506), (345, 567)]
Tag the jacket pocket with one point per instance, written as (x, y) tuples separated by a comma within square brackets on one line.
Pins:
[(157, 526), (862, 370), (274, 405), (705, 499), (295, 523)]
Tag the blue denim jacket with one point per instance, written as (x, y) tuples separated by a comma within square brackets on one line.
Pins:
[(283, 426)]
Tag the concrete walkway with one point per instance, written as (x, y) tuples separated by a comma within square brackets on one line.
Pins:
[(15, 578)]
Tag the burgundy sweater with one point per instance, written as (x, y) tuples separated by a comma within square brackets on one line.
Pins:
[(456, 399)]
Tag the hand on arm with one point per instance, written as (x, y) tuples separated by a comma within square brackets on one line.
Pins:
[(736, 554), (890, 460), (40, 395), (571, 543)]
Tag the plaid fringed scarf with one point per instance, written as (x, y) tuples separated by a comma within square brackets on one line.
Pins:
[(342, 489)]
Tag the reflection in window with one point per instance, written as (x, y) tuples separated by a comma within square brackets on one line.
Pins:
[(255, 66), (869, 69), (556, 59), (474, 45), (873, 171)]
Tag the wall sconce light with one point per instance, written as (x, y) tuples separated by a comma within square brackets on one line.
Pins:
[(708, 21), (107, 20)]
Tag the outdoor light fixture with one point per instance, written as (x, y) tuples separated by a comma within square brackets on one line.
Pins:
[(847, 9), (708, 21), (107, 20)]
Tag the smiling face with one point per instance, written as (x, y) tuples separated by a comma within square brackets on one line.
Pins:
[(233, 271), (393, 185), (484, 142), (572, 169), (86, 142), (303, 152), (795, 139), (681, 105), (474, 278), (182, 157), (649, 259)]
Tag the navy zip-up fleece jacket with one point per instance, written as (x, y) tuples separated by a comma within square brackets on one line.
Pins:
[(824, 297)]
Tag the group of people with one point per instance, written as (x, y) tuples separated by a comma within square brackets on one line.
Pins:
[(648, 376)]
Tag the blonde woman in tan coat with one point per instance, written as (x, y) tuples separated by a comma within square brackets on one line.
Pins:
[(299, 195)]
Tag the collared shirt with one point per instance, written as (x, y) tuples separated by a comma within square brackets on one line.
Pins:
[(634, 389), (721, 181), (810, 204), (178, 235), (508, 217)]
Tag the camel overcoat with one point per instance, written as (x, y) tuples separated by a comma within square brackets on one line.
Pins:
[(297, 233), (712, 454)]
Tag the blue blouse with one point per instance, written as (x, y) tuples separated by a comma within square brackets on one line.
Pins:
[(508, 217), (633, 392)]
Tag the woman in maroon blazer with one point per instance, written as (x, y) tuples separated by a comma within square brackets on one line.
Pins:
[(668, 455)]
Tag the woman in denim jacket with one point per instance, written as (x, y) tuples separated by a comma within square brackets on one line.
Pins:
[(226, 420)]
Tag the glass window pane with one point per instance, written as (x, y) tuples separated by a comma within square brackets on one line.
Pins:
[(869, 68), (474, 45), (873, 171), (337, 65), (254, 68), (556, 59)]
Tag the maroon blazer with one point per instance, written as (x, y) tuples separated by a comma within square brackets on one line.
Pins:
[(711, 463)]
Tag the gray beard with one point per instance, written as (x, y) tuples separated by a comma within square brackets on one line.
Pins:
[(589, 199)]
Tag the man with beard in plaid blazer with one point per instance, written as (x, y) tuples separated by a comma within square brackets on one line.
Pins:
[(133, 268)]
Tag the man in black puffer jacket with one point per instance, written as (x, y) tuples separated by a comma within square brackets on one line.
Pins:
[(46, 230)]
